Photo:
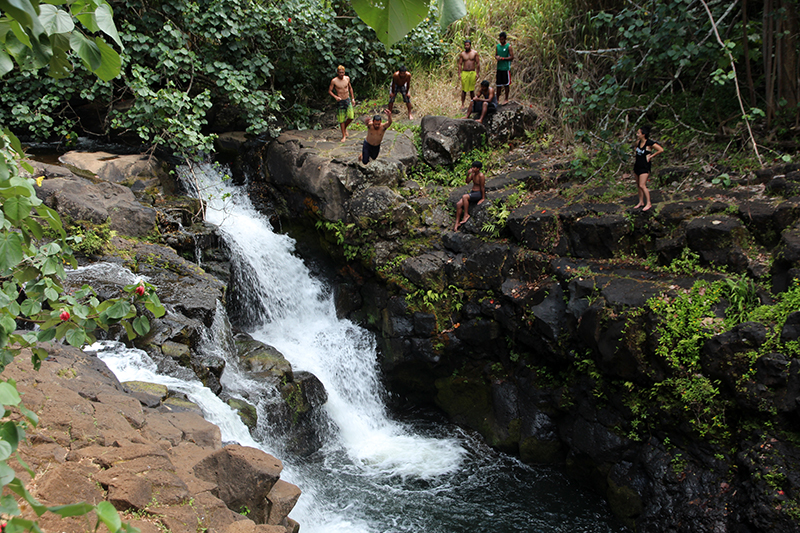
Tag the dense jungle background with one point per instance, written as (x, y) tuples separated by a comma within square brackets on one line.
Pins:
[(698, 71)]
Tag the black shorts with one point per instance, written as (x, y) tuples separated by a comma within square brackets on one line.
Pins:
[(401, 90), (369, 152), (503, 78), (644, 169), (475, 196)]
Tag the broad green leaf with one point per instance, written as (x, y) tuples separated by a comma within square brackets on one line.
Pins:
[(11, 434), (105, 21), (17, 208), (76, 337), (87, 50), (24, 12), (46, 335), (30, 306), (6, 65), (8, 323), (82, 10), (8, 506), (75, 509), (119, 309), (8, 394), (391, 19), (5, 450), (110, 63), (51, 294), (153, 304), (451, 11), (55, 20), (10, 250), (108, 515), (7, 474), (141, 324)]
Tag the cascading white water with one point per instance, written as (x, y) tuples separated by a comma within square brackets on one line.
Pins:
[(374, 474), (298, 318)]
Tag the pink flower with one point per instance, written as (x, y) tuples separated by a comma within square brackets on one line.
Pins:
[(140, 290), (64, 316)]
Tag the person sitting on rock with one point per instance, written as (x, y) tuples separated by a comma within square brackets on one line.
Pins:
[(476, 196), (375, 133), (484, 103)]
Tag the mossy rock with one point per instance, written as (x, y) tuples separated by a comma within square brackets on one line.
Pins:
[(148, 394), (263, 360), (625, 503), (468, 402), (246, 411), (178, 403)]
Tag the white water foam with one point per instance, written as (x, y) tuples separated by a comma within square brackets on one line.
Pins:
[(299, 319)]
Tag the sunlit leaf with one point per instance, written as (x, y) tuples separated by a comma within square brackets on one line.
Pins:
[(107, 514), (391, 19), (451, 11), (6, 65), (105, 21), (55, 20), (8, 394), (76, 337), (7, 474)]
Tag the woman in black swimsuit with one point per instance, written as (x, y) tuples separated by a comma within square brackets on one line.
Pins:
[(645, 150)]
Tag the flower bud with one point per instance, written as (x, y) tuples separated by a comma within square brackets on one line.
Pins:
[(64, 316), (140, 290)]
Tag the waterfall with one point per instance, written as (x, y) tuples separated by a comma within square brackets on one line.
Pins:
[(296, 315), (374, 474)]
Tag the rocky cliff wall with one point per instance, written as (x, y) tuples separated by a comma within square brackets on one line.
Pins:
[(539, 325)]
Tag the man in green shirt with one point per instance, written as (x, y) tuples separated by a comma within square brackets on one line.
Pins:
[(504, 56)]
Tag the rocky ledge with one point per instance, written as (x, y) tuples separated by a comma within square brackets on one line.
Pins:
[(159, 463)]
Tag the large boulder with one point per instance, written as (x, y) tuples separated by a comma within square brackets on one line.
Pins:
[(120, 169), (317, 174), (444, 139), (80, 199), (510, 121)]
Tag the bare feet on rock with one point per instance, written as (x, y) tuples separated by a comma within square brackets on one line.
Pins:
[(648, 206)]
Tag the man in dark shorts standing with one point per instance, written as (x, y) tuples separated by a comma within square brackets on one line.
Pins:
[(504, 55), (484, 103), (375, 132), (476, 196), (469, 69), (342, 90), (401, 84)]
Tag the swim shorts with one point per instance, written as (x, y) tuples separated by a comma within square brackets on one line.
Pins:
[(344, 111), (468, 80), (369, 152), (475, 196), (503, 78), (394, 90)]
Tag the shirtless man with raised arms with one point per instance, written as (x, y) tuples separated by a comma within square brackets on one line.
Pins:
[(342, 91), (375, 132)]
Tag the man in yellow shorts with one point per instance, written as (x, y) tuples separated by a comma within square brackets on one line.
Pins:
[(469, 69)]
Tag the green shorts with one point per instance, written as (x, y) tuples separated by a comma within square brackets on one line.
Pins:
[(344, 111), (468, 80)]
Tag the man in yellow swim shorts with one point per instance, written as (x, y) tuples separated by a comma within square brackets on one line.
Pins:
[(469, 69)]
